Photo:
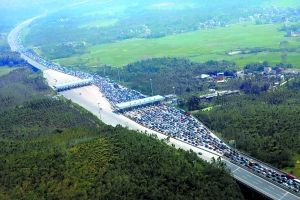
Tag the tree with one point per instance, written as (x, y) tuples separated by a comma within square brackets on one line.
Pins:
[(193, 103)]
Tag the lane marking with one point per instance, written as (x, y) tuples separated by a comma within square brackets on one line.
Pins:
[(235, 169), (283, 195), (264, 181), (271, 195)]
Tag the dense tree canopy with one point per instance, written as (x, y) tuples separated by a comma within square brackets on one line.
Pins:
[(8, 58), (265, 125), (167, 73)]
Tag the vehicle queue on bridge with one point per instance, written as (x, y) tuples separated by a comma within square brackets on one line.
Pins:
[(174, 123)]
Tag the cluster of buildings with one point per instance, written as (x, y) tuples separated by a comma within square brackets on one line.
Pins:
[(275, 77), (293, 34), (273, 15), (219, 77), (213, 93)]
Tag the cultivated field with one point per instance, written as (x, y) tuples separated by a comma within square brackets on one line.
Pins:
[(280, 3), (211, 44)]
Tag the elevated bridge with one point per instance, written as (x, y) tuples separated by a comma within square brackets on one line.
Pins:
[(260, 184), (120, 107), (72, 85)]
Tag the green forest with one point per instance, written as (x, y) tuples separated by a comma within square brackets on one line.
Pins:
[(265, 125), (263, 122), (167, 73), (53, 149)]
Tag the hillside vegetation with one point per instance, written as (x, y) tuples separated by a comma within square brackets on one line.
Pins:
[(265, 125), (53, 149), (167, 73), (263, 122), (5, 70), (20, 86)]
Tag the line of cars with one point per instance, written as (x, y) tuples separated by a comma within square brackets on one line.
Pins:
[(285, 180), (114, 92), (179, 125), (176, 124)]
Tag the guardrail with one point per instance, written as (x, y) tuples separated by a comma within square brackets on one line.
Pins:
[(264, 177), (259, 161)]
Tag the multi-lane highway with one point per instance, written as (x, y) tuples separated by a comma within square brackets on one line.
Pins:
[(259, 184), (244, 175)]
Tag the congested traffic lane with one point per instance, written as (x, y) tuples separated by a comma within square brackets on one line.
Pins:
[(259, 184)]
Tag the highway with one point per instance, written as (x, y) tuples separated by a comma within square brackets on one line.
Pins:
[(13, 41), (81, 96), (259, 184)]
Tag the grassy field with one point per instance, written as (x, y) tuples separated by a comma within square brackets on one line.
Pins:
[(5, 70), (198, 46), (3, 42), (296, 169), (281, 3)]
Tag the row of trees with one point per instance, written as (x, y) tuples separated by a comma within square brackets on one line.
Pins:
[(8, 58)]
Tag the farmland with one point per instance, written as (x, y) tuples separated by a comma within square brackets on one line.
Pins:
[(200, 46), (279, 3)]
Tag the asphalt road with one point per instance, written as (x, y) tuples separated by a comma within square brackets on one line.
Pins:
[(259, 184)]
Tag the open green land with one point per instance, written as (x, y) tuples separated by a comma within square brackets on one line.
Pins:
[(2, 42), (211, 44), (5, 70), (296, 169), (282, 4)]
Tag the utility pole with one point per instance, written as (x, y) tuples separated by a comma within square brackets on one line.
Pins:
[(174, 90), (99, 109), (119, 76), (151, 86), (233, 143)]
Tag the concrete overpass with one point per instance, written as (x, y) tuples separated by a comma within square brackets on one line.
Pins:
[(73, 85), (243, 175), (259, 184)]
